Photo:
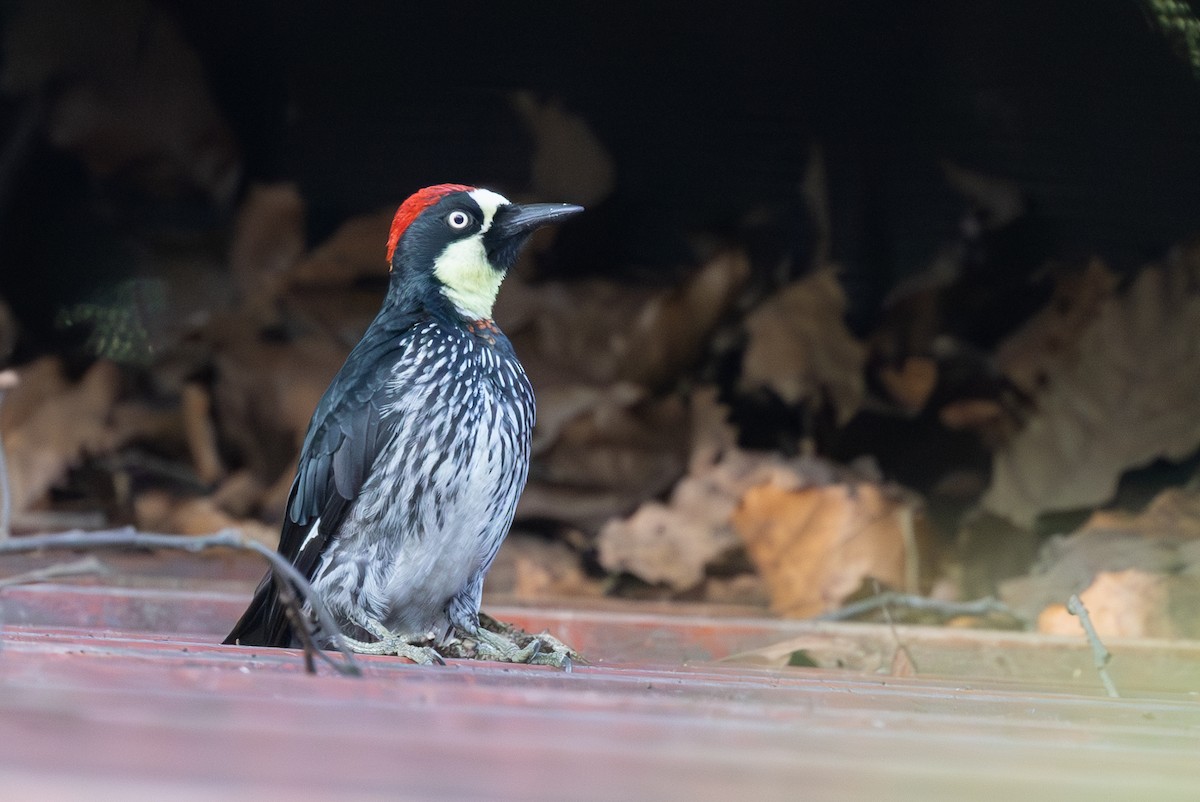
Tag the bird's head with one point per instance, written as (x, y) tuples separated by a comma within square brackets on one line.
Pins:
[(459, 241)]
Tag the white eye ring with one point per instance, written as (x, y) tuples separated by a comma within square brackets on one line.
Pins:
[(458, 219)]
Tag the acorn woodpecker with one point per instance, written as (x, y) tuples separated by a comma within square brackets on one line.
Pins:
[(414, 459)]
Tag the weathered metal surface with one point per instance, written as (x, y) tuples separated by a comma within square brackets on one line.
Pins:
[(124, 694), (624, 634)]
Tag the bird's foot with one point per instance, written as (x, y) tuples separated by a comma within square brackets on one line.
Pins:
[(416, 647), (504, 643)]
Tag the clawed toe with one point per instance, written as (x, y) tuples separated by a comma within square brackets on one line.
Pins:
[(416, 648), (513, 646)]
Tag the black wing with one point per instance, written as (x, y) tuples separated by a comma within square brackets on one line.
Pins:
[(342, 442)]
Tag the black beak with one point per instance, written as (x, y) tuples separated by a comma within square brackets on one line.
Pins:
[(515, 219), (513, 224)]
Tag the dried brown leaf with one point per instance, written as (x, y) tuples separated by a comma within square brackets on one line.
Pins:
[(674, 543), (599, 332), (615, 448), (662, 544), (55, 436), (530, 567), (672, 331), (1132, 604), (1123, 396), (265, 391), (38, 381), (158, 511), (201, 432), (1135, 551), (745, 590), (1032, 356), (910, 384), (677, 542), (568, 333), (601, 446), (268, 241), (357, 249), (816, 545), (800, 348), (240, 494)]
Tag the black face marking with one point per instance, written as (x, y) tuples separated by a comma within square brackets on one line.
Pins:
[(502, 246), (435, 228)]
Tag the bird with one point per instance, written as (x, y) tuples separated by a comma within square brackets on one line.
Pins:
[(412, 464)]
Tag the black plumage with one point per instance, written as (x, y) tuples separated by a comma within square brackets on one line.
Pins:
[(415, 457)]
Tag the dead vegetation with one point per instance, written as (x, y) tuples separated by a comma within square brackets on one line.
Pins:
[(690, 438)]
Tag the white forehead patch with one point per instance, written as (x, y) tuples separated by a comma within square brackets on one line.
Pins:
[(488, 202), (468, 278)]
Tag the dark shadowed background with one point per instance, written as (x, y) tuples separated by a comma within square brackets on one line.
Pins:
[(849, 226)]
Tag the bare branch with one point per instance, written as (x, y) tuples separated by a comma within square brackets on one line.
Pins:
[(902, 656), (8, 380), (1100, 655), (88, 565), (129, 538), (947, 609)]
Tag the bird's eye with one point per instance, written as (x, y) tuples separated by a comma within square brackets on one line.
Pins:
[(458, 219)]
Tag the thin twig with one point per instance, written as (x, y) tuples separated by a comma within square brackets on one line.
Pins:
[(912, 555), (8, 380), (128, 538), (88, 565), (1100, 655), (948, 609), (295, 615), (901, 648)]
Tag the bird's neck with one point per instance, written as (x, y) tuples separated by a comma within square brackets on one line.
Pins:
[(404, 303), (485, 329)]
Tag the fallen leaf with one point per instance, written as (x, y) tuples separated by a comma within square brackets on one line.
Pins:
[(674, 543), (201, 432), (662, 544), (603, 444), (732, 497), (265, 391), (240, 495), (991, 421), (673, 329), (47, 441), (598, 332), (799, 346), (572, 332), (616, 451), (816, 545), (268, 240), (356, 250), (37, 382), (1122, 397), (158, 511), (1031, 356), (1132, 604), (1162, 541), (910, 384), (529, 567), (991, 549), (745, 589)]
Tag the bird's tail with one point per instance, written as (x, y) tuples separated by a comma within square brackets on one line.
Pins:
[(265, 622)]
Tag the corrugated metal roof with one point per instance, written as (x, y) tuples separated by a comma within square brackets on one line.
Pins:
[(124, 693)]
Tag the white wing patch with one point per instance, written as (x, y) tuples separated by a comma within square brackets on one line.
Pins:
[(312, 534), (470, 281)]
